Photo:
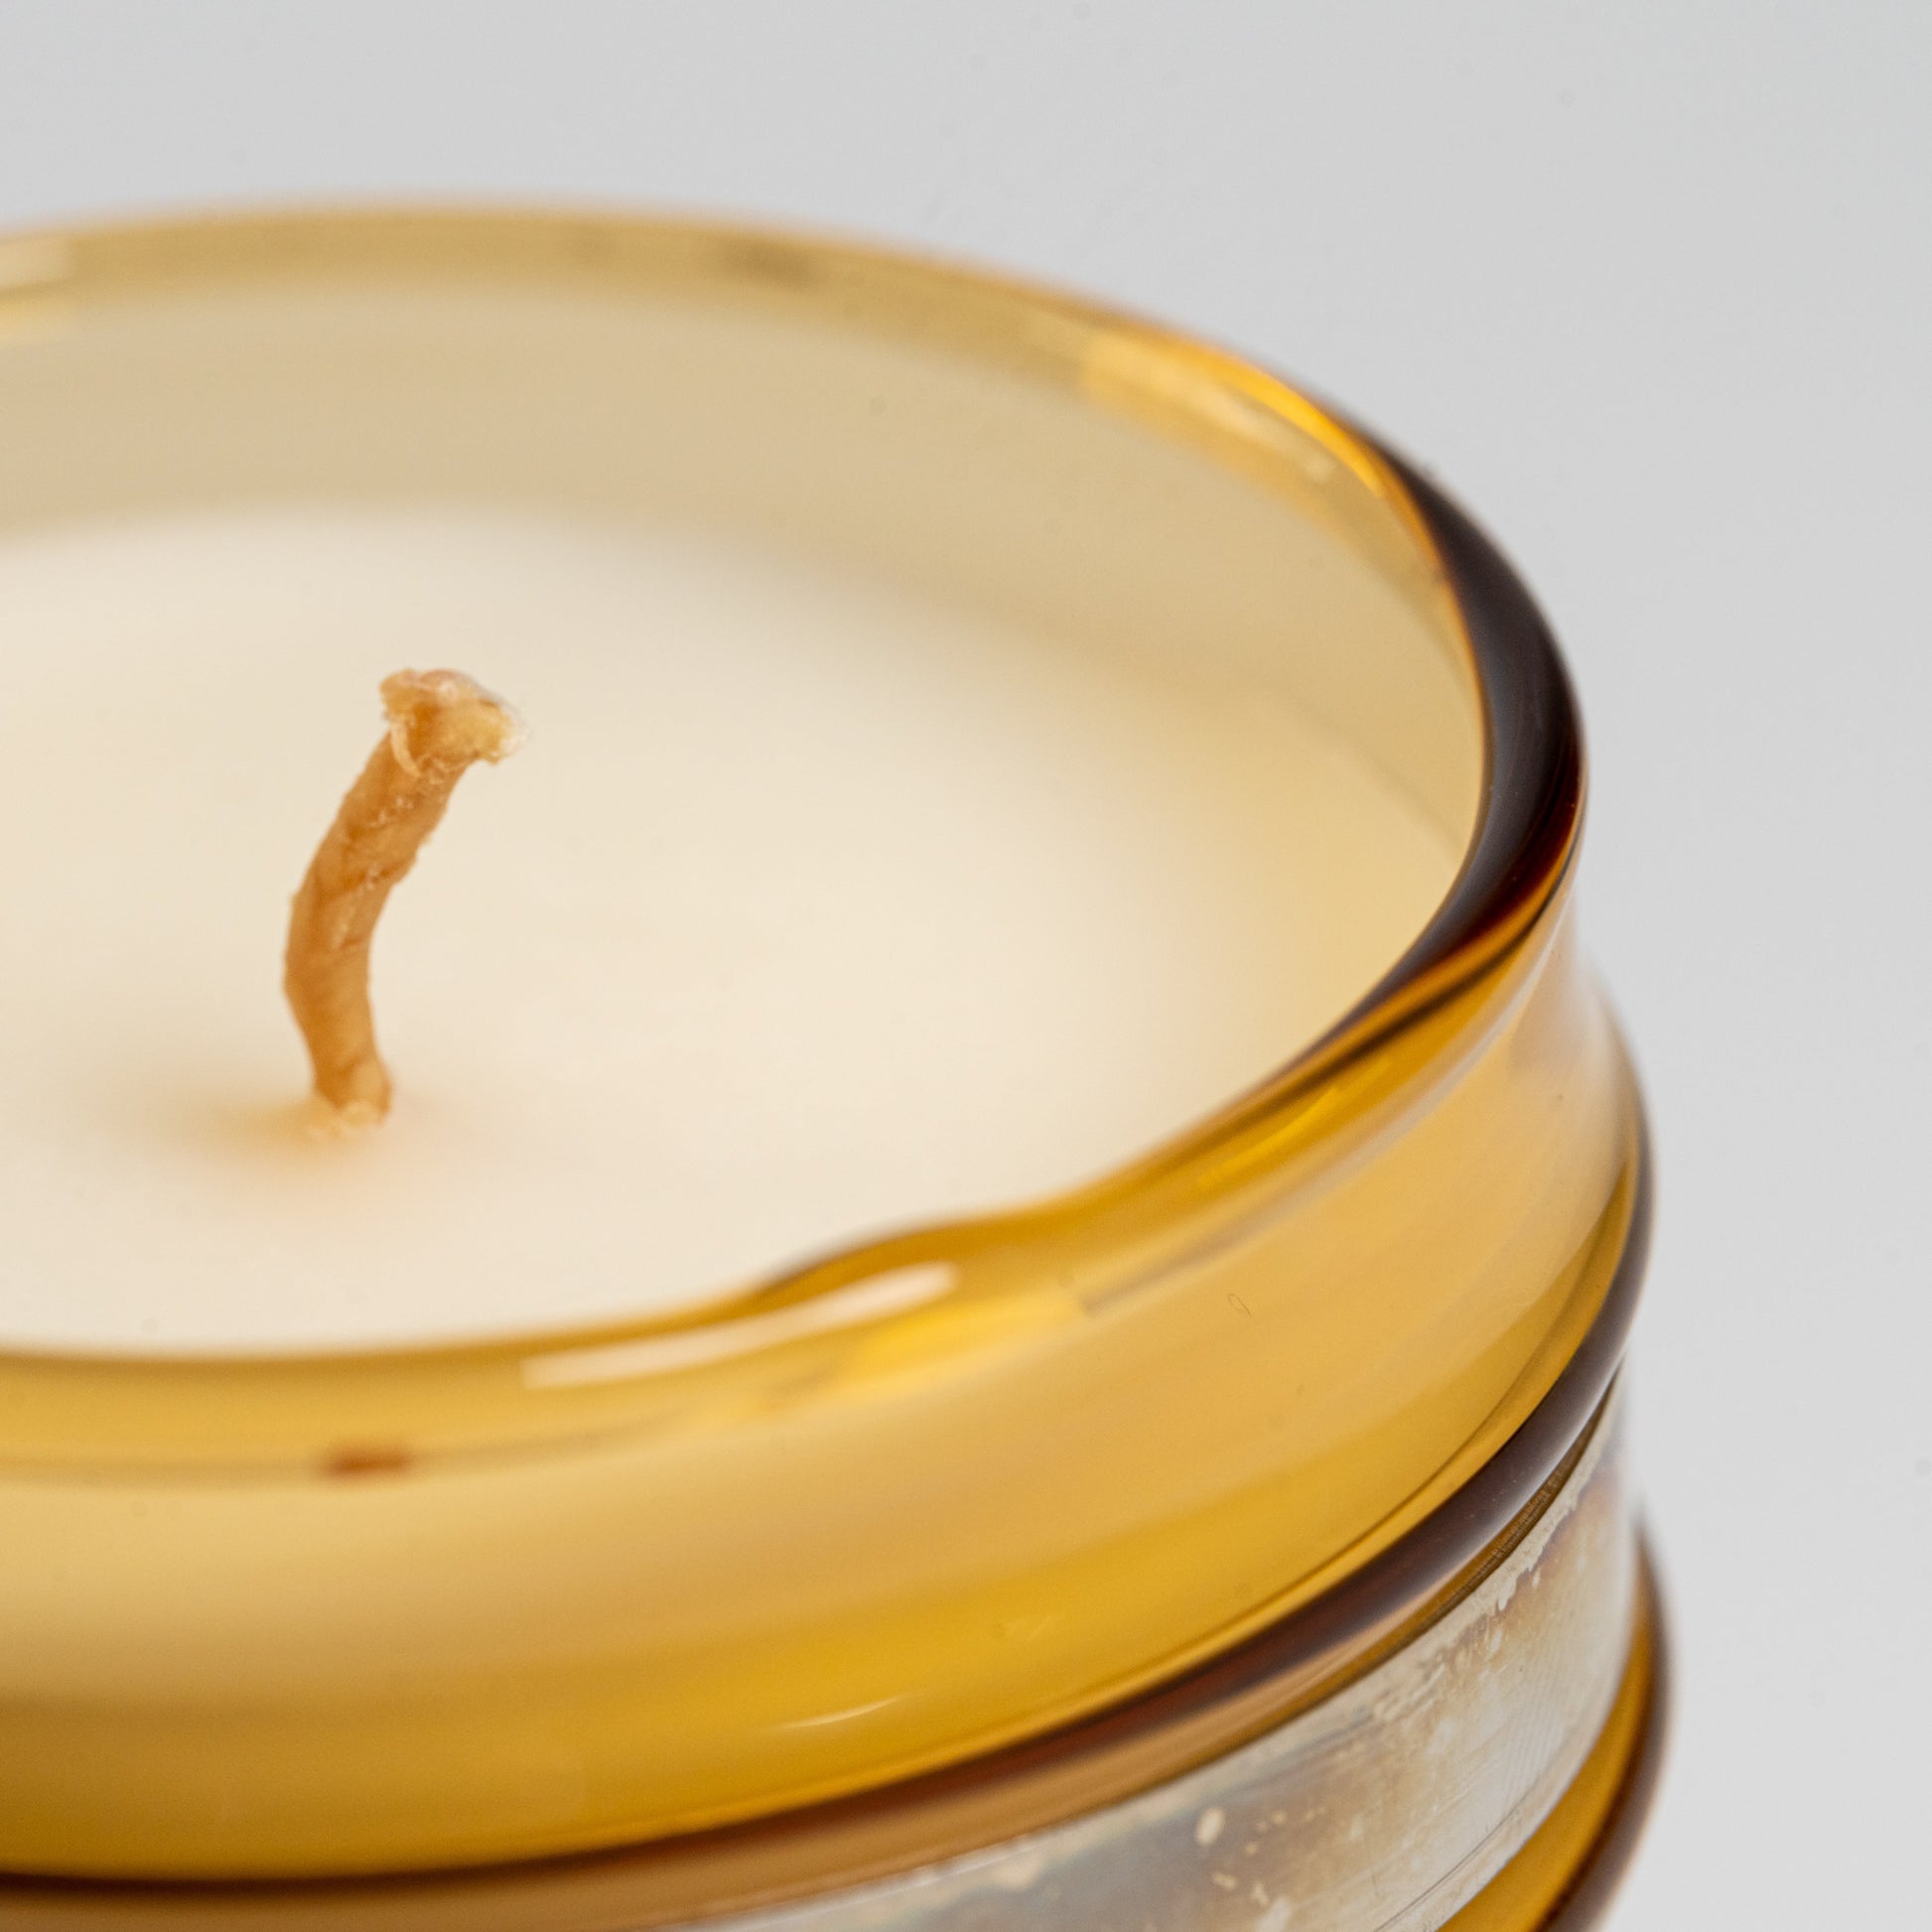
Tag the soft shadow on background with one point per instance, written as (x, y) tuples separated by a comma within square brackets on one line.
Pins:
[(1649, 288)]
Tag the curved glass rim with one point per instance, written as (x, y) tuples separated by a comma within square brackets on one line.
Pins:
[(1527, 823)]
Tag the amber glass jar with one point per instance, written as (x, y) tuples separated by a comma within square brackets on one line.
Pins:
[(1241, 1541)]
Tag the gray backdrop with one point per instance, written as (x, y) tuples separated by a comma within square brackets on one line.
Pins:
[(1649, 286)]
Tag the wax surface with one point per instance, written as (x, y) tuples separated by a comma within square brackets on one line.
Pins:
[(811, 910)]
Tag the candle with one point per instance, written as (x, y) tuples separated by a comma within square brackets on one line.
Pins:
[(969, 1229), (940, 792), (814, 910)]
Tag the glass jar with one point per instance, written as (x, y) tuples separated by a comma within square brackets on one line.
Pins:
[(1241, 1539)]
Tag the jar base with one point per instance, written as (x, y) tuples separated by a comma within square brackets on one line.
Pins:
[(1562, 1879)]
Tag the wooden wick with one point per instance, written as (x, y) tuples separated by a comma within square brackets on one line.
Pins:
[(439, 724)]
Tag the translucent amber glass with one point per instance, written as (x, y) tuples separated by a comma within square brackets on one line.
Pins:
[(924, 1498)]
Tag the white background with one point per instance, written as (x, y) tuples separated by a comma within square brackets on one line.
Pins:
[(1650, 287)]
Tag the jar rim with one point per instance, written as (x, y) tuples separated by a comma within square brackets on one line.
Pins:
[(1527, 822)]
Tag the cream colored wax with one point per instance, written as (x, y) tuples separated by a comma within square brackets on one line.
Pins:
[(945, 781), (812, 909)]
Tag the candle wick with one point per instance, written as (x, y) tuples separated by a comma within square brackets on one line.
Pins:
[(439, 724)]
